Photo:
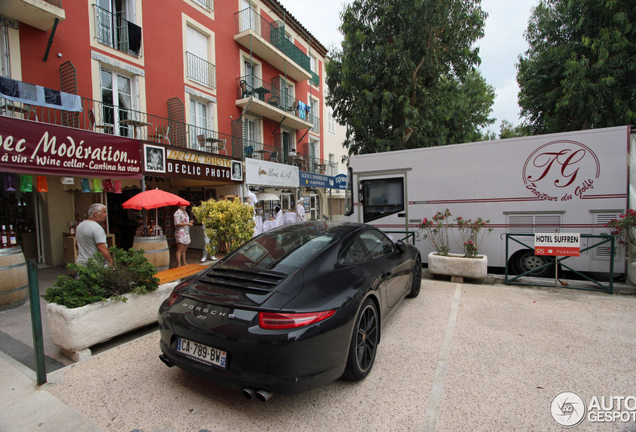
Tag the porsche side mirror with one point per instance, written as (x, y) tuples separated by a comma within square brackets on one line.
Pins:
[(401, 247)]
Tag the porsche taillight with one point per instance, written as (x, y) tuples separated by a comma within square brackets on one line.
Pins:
[(280, 321), (174, 296)]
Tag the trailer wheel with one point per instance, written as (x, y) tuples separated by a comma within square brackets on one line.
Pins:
[(525, 260)]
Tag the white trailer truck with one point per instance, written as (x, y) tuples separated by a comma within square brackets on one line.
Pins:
[(573, 182)]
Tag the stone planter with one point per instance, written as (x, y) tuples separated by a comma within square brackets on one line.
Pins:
[(75, 330), (631, 274), (457, 266)]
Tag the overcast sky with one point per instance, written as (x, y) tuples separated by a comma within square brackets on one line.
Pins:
[(499, 49)]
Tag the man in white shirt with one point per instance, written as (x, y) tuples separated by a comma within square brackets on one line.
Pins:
[(90, 236), (300, 209)]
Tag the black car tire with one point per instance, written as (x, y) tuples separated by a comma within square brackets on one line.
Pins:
[(364, 342), (526, 260), (417, 278)]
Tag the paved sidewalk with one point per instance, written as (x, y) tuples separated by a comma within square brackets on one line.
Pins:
[(460, 357), (24, 407)]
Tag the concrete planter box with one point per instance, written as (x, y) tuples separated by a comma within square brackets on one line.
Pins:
[(75, 330), (458, 266), (631, 274)]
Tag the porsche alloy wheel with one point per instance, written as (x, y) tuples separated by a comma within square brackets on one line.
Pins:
[(364, 343)]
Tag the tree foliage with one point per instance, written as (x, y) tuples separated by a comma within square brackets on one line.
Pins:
[(580, 69), (508, 130), (405, 75)]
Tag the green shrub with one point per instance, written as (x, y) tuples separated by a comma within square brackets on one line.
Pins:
[(132, 273)]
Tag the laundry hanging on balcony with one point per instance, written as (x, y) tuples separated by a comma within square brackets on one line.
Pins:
[(302, 108), (32, 94)]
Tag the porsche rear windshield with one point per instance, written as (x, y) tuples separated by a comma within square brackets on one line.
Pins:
[(285, 251)]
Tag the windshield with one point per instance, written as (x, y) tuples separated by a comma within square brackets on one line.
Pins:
[(279, 251)]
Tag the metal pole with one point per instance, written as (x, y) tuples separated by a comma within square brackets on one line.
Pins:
[(36, 321), (556, 271)]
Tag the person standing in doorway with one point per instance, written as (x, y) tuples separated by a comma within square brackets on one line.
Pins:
[(91, 238), (182, 224), (300, 209)]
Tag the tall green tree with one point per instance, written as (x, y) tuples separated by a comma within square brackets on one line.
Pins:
[(508, 130), (405, 74), (580, 69)]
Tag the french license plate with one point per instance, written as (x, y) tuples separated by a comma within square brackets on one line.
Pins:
[(201, 352)]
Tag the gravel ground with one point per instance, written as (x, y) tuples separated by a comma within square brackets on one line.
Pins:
[(460, 357)]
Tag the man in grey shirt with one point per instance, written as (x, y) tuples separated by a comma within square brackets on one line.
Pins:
[(90, 236)]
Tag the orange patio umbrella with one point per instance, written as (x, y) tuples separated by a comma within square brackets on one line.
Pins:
[(153, 199)]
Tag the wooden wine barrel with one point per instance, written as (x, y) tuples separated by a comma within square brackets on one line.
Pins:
[(156, 250), (14, 278)]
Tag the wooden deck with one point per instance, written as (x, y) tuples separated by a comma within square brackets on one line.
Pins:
[(179, 273)]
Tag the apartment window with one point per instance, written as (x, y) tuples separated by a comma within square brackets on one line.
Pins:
[(115, 27), (202, 121), (331, 122), (200, 69), (248, 17), (117, 103), (290, 96), (5, 59), (313, 103), (252, 74), (331, 170), (253, 133), (312, 64), (206, 4)]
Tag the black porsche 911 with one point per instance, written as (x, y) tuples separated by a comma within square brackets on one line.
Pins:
[(294, 308)]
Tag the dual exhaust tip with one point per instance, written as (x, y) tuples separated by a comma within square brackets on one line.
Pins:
[(249, 393), (261, 395)]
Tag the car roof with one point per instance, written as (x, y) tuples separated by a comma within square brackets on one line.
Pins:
[(335, 228)]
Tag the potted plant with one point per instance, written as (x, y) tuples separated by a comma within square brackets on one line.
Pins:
[(458, 266), (623, 229), (103, 302), (230, 222)]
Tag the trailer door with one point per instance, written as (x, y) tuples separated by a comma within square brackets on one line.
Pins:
[(382, 201)]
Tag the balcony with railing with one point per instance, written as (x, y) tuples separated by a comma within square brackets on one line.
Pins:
[(121, 121), (274, 102), (267, 39), (113, 30), (38, 14), (315, 79), (200, 70), (99, 117), (245, 148)]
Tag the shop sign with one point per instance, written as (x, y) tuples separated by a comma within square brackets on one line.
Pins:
[(189, 164), (28, 147), (341, 181), (263, 173), (308, 179)]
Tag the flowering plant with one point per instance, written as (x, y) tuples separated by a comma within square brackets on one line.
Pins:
[(473, 233), (436, 231), (623, 228)]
